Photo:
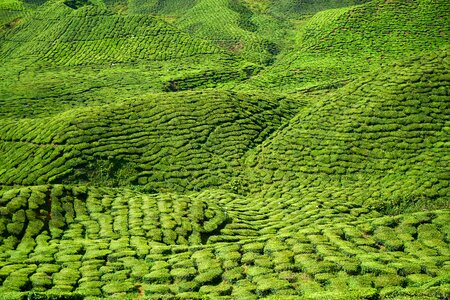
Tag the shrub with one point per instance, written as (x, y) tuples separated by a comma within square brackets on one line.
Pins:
[(302, 248), (66, 276), (270, 285), (117, 287), (405, 268), (253, 247), (183, 273), (388, 238), (41, 279), (209, 276), (159, 276), (375, 267), (116, 276), (250, 257), (418, 279), (54, 295), (388, 280), (16, 281), (222, 289), (233, 275), (185, 287)]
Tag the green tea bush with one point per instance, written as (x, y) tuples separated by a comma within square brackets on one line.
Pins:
[(222, 289), (186, 288), (17, 281), (183, 274), (159, 276), (162, 289), (209, 275), (368, 266), (387, 237), (117, 287), (418, 279), (41, 280)]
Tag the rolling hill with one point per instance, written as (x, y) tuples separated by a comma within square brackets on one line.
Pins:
[(224, 149), (337, 45)]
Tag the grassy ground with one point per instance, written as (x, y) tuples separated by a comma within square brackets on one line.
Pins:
[(224, 149)]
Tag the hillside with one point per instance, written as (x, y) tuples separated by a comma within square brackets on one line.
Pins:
[(381, 142), (182, 141), (337, 45), (91, 55), (224, 149)]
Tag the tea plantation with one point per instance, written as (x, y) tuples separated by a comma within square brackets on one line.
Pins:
[(224, 149)]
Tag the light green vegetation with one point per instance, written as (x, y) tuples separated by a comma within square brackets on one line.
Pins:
[(335, 46), (224, 149), (133, 142), (105, 242), (384, 136)]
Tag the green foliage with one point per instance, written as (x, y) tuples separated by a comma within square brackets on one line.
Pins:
[(75, 4), (341, 43), (300, 9), (158, 276), (166, 166), (224, 149), (231, 25)]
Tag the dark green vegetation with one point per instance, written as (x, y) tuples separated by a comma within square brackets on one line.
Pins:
[(224, 149)]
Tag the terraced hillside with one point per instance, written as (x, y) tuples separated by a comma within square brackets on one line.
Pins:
[(386, 133), (224, 149), (301, 9), (336, 45), (91, 55), (182, 141)]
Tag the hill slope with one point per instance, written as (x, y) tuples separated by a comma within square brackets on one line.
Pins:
[(57, 58), (180, 141), (384, 135), (338, 44)]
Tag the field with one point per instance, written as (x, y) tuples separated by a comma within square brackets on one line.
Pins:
[(224, 149)]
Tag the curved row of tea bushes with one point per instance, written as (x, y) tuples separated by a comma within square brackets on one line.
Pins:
[(99, 242), (90, 34), (339, 44), (381, 140), (182, 141)]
